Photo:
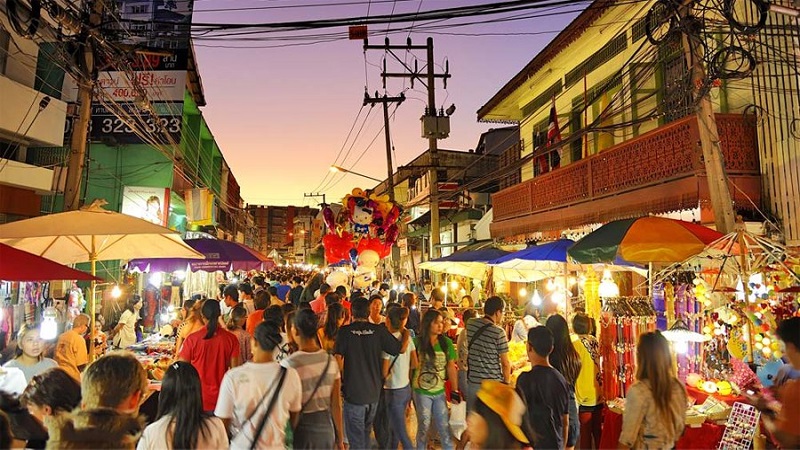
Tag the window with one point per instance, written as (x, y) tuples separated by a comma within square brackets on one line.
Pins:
[(139, 9)]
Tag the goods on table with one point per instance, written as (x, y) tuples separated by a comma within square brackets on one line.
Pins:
[(155, 354), (741, 427)]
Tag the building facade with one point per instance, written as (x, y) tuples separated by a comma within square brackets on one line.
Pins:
[(630, 137)]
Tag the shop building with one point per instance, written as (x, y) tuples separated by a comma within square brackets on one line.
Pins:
[(634, 149)]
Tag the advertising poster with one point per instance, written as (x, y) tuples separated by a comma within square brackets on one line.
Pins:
[(148, 203)]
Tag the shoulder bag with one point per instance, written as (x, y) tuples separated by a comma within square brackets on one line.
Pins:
[(268, 411)]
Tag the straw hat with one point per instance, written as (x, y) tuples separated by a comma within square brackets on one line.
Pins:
[(504, 401)]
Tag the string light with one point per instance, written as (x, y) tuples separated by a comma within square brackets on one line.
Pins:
[(608, 288), (536, 300)]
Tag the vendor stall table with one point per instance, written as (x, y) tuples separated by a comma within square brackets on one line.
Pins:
[(707, 436)]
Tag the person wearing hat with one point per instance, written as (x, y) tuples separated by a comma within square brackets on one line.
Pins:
[(498, 419)]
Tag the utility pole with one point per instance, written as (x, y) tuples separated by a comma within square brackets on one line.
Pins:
[(721, 202), (433, 125), (385, 100), (80, 130), (323, 205)]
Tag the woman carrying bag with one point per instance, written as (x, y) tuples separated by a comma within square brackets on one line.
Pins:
[(257, 399), (319, 424)]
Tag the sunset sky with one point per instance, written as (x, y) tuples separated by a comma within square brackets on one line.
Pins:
[(281, 112)]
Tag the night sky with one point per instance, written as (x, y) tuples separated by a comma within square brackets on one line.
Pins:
[(281, 115)]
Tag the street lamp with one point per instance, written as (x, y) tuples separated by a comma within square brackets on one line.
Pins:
[(343, 170)]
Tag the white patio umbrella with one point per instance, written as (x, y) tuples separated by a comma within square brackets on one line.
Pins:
[(94, 234)]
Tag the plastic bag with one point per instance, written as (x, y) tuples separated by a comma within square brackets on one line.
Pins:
[(458, 418)]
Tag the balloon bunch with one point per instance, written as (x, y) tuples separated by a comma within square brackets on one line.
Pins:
[(363, 233)]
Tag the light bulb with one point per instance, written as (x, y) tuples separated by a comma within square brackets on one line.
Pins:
[(560, 298), (551, 285), (155, 279), (523, 292), (49, 328), (180, 274), (116, 292), (681, 347), (536, 300), (454, 285), (443, 289)]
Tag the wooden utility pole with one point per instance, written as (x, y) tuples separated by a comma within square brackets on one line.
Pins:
[(430, 112), (80, 130), (385, 100), (721, 202)]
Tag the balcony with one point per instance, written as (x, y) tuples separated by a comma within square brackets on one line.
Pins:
[(657, 172), (45, 128)]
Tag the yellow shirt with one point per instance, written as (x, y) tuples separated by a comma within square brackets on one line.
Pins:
[(71, 353), (587, 387)]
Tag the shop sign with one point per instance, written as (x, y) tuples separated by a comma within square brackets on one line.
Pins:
[(402, 244)]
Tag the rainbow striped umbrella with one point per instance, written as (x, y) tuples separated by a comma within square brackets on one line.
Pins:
[(643, 240)]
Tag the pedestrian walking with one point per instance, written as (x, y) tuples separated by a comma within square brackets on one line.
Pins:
[(655, 406), (437, 364), (359, 350), (566, 360), (180, 422), (397, 387), (320, 424), (588, 387), (257, 399), (212, 351), (487, 348)]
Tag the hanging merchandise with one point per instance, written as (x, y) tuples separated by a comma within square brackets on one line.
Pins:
[(591, 293), (622, 321)]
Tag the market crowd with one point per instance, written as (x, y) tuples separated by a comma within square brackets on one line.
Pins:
[(299, 364)]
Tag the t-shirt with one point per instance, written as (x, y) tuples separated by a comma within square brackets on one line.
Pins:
[(33, 370), (310, 366), (413, 319), (399, 375), (255, 318), (589, 382), (252, 386), (362, 345), (245, 353), (546, 395), (294, 295), (430, 376), (158, 435), (789, 416), (211, 358), (283, 289), (318, 305), (249, 306), (127, 335), (12, 381), (71, 352), (483, 356)]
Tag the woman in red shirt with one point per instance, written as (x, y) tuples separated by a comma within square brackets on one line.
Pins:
[(212, 351)]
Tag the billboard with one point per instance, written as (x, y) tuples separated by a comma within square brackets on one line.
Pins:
[(139, 98), (148, 203)]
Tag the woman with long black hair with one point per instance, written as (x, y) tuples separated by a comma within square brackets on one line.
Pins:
[(180, 422), (566, 360), (212, 351), (437, 364)]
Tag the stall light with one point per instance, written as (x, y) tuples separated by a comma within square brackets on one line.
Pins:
[(681, 347), (680, 336), (572, 281), (402, 288), (443, 289), (234, 280), (49, 328), (551, 285), (559, 298), (454, 285), (180, 274), (116, 292), (523, 292), (155, 279), (608, 288), (536, 300)]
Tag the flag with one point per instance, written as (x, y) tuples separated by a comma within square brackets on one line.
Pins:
[(554, 136)]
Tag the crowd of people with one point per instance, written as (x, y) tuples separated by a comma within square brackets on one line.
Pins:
[(263, 368)]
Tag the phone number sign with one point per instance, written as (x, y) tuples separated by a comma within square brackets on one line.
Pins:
[(130, 125)]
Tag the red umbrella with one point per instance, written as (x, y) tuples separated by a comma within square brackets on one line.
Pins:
[(17, 265)]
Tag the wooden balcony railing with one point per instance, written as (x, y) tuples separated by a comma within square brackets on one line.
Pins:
[(667, 153)]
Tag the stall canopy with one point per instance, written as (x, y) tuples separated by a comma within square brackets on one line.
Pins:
[(17, 265), (543, 261), (643, 240), (219, 254), (472, 264)]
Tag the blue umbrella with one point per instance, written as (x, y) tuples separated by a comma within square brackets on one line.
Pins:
[(471, 263), (543, 261)]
